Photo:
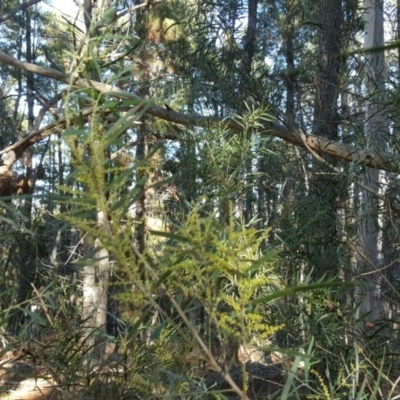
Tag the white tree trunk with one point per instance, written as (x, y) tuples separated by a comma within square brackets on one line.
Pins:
[(376, 130), (95, 284), (96, 275)]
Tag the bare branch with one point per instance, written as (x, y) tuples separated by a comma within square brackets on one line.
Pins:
[(321, 145), (14, 152), (46, 106)]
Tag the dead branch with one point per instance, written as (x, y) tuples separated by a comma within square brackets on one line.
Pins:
[(368, 158)]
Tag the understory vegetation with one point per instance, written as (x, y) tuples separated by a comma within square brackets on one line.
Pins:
[(199, 200)]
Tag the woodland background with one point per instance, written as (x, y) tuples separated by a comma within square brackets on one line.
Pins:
[(200, 199)]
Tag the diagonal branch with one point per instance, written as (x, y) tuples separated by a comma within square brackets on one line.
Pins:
[(23, 6), (12, 153), (321, 145)]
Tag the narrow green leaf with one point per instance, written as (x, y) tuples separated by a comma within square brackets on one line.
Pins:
[(270, 255), (35, 316), (74, 132), (171, 236), (297, 289)]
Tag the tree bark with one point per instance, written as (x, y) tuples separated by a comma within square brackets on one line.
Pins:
[(96, 276), (376, 130), (326, 187), (27, 266)]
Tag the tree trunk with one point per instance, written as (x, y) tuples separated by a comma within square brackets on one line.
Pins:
[(249, 50), (370, 227), (96, 276), (95, 283), (26, 273), (326, 187), (142, 151)]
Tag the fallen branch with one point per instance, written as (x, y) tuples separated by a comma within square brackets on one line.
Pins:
[(368, 158)]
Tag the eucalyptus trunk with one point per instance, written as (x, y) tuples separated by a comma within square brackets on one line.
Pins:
[(376, 130)]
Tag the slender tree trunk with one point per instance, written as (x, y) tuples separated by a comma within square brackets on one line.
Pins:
[(95, 288), (141, 154), (142, 151), (330, 46), (390, 229), (249, 50), (370, 228), (326, 187), (96, 276), (290, 67), (27, 268)]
